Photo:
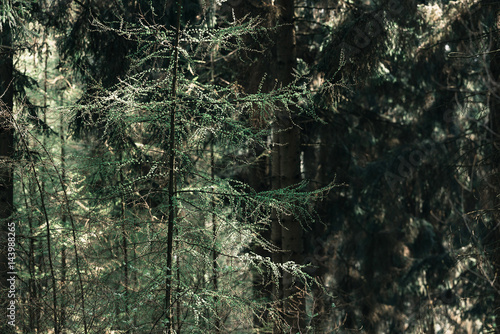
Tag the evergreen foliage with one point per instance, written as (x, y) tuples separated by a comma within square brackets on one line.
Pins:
[(106, 217), (146, 184)]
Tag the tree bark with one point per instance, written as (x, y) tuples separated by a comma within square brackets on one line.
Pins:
[(62, 141), (171, 178), (287, 154), (6, 169)]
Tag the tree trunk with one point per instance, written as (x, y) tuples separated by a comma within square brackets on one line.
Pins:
[(135, 282), (125, 281), (62, 141), (493, 241), (171, 178), (32, 299), (287, 153), (215, 264), (6, 169), (277, 286), (212, 20), (260, 175)]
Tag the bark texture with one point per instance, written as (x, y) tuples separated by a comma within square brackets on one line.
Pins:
[(6, 154), (286, 168)]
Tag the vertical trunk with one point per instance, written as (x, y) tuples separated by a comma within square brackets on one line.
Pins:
[(179, 289), (288, 155), (62, 142), (134, 280), (277, 287), (45, 81), (63, 287), (6, 173), (32, 287), (215, 265), (171, 194), (494, 182), (124, 246), (125, 261)]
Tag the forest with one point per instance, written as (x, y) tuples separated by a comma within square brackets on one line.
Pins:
[(249, 166)]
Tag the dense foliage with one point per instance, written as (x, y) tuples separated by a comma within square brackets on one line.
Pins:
[(250, 166)]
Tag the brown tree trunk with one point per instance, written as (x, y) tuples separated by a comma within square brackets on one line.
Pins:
[(171, 178), (286, 165), (6, 170)]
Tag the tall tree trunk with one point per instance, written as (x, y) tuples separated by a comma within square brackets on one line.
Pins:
[(493, 241), (212, 20), (171, 178), (6, 169), (287, 153)]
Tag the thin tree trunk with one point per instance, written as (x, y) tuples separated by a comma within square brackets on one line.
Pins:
[(64, 296), (124, 249), (215, 265), (40, 283), (179, 287), (33, 312), (45, 81), (171, 178), (277, 286), (62, 142), (134, 280), (6, 168)]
